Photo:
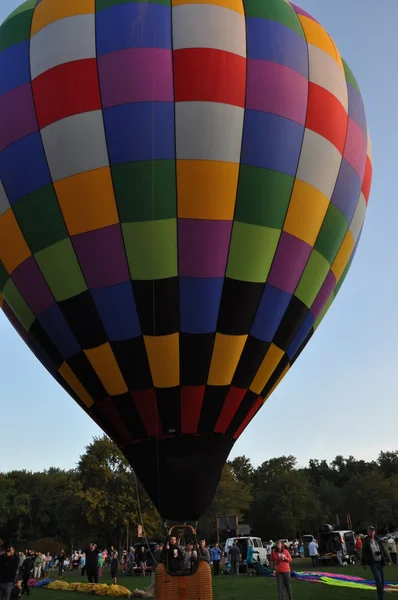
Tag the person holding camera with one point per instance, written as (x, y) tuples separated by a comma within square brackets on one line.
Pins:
[(376, 557), (9, 562)]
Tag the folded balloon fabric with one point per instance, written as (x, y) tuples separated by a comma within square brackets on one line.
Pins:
[(98, 589), (342, 580)]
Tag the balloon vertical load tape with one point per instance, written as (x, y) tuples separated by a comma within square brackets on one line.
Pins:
[(184, 587)]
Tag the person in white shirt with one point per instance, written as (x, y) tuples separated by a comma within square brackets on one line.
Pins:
[(392, 549), (313, 552)]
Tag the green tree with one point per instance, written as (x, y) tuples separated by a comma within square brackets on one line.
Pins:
[(108, 496), (285, 505), (232, 498), (242, 469)]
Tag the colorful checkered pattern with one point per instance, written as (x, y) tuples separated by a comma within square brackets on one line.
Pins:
[(183, 186)]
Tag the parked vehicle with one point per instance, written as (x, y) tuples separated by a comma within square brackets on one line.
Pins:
[(244, 542), (326, 543)]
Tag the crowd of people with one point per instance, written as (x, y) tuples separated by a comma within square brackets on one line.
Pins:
[(18, 568)]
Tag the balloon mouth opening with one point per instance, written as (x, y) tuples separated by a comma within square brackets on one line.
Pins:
[(180, 474)]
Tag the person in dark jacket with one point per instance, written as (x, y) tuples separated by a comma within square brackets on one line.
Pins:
[(92, 563), (173, 556), (26, 570), (17, 590), (9, 562), (375, 556), (114, 567), (61, 562)]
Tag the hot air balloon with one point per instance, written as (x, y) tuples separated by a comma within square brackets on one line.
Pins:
[(182, 189)]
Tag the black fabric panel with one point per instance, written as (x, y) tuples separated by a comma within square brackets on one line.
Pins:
[(240, 415), (196, 351), (249, 362), (46, 344), (133, 362), (193, 462), (82, 317), (239, 303), (290, 324), (158, 306), (284, 362), (303, 345), (168, 401), (213, 401), (126, 408), (83, 370)]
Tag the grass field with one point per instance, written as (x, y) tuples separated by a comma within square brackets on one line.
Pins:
[(243, 588)]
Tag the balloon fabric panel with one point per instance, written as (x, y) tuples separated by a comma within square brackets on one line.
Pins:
[(183, 187)]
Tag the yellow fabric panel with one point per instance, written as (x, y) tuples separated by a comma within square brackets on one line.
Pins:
[(285, 370), (13, 248), (49, 11), (87, 201), (236, 5), (105, 365), (207, 189), (319, 37), (343, 256), (164, 359), (267, 367), (226, 354), (306, 212), (66, 372)]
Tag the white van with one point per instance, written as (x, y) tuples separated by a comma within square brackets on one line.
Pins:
[(244, 542)]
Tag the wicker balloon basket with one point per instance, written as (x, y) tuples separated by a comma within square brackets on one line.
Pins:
[(179, 587)]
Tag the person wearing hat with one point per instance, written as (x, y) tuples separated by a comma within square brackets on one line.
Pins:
[(375, 556)]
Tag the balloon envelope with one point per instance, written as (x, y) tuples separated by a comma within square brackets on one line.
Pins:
[(183, 186)]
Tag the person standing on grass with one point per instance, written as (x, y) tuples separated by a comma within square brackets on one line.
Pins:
[(9, 562), (358, 548), (313, 552), (25, 573), (61, 561), (281, 559), (234, 557), (100, 564), (375, 556), (114, 567), (92, 563), (338, 546), (215, 556), (392, 549)]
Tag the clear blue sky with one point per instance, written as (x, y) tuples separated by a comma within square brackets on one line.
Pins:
[(348, 374)]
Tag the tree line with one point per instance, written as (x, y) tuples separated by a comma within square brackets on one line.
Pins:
[(102, 500)]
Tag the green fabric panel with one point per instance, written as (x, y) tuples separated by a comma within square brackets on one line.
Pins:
[(103, 4), (145, 190), (344, 275), (274, 10), (350, 76), (324, 310), (60, 267), (252, 251), (312, 279), (332, 233), (16, 28), (4, 276), (263, 196), (40, 219), (151, 248), (18, 305)]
